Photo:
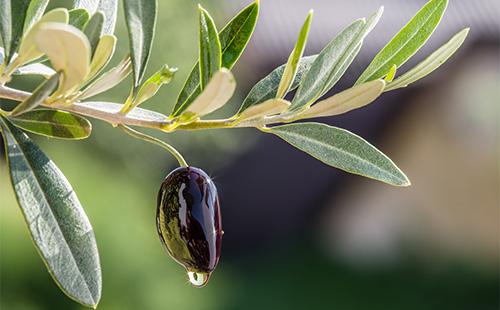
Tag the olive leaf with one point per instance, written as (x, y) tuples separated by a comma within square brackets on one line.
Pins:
[(59, 227), (28, 50), (140, 16), (34, 13), (333, 61), (78, 18), (267, 88), (53, 124), (102, 55), (108, 80), (347, 100), (151, 86), (108, 7), (431, 63), (406, 42), (41, 93), (341, 149), (12, 22), (138, 114), (233, 38), (218, 91), (266, 108), (94, 30), (68, 50), (294, 59), (210, 48)]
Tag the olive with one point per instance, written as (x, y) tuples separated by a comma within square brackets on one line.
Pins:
[(188, 221)]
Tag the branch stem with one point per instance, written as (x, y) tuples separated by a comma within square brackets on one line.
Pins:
[(160, 143)]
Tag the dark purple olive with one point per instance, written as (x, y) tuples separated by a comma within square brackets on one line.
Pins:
[(189, 223)]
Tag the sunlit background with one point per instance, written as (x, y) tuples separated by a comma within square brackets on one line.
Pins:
[(298, 234)]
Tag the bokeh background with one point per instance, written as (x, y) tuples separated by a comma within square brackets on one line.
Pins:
[(298, 234)]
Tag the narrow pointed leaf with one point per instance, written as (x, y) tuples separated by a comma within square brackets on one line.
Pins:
[(94, 29), (151, 86), (342, 149), (210, 49), (138, 114), (431, 63), (140, 16), (294, 59), (347, 100), (267, 88), (78, 18), (333, 61), (110, 10), (108, 80), (53, 124), (391, 74), (102, 55), (68, 50), (234, 37), (41, 93), (12, 21), (34, 13), (218, 91), (266, 108), (407, 41), (58, 225)]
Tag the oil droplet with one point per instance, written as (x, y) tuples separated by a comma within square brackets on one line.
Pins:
[(198, 279)]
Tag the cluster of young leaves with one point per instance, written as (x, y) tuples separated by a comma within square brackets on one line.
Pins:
[(79, 44)]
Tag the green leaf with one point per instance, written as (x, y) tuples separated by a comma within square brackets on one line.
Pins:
[(342, 149), (78, 18), (108, 7), (11, 24), (294, 59), (234, 38), (267, 88), (94, 30), (108, 79), (431, 63), (333, 61), (34, 13), (151, 86), (347, 100), (53, 124), (59, 227), (217, 93), (140, 16), (68, 50), (41, 93), (406, 42), (210, 48)]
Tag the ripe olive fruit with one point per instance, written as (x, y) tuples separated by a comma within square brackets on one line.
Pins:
[(189, 223)]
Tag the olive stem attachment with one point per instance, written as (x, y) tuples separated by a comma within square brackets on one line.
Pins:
[(145, 137)]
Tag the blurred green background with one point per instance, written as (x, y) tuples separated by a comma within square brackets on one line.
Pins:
[(341, 257)]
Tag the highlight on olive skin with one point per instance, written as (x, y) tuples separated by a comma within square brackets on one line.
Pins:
[(189, 223)]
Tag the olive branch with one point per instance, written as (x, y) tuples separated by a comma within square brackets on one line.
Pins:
[(72, 48)]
